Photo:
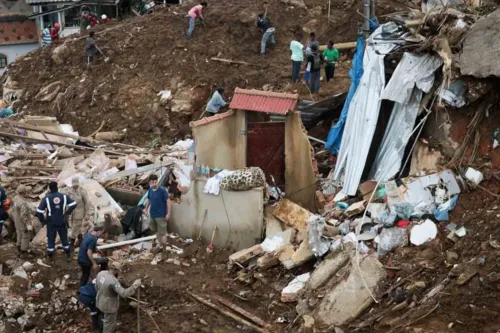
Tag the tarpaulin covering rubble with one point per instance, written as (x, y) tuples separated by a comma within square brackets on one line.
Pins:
[(335, 135), (364, 109), (413, 76)]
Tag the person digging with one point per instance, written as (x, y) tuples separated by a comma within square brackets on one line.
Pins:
[(91, 49), (109, 291)]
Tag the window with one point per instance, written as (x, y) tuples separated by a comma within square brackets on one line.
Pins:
[(71, 18), (3, 60)]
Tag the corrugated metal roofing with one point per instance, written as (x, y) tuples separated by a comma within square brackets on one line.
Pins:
[(263, 101), (47, 1), (208, 120)]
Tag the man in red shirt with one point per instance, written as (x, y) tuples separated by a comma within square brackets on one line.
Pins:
[(193, 14), (55, 31)]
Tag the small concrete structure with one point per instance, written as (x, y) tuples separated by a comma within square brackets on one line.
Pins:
[(238, 216)]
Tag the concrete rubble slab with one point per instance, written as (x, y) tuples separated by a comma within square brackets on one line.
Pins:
[(245, 255), (302, 255), (328, 268), (479, 52), (348, 299), (295, 288), (356, 208)]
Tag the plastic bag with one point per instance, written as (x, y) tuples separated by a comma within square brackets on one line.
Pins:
[(403, 210), (391, 238), (388, 218), (317, 243)]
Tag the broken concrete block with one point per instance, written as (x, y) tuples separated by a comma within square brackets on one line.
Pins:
[(286, 253), (308, 324), (328, 268), (289, 236), (302, 255), (355, 209), (273, 225), (292, 214), (330, 231), (268, 260), (245, 255), (349, 298), (295, 288), (366, 189)]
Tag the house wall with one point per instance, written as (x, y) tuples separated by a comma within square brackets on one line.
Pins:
[(222, 143), (300, 180), (237, 215), (15, 50)]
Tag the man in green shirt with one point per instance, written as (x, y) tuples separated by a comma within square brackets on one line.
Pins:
[(331, 55)]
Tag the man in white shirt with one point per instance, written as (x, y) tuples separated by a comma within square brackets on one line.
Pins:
[(297, 56)]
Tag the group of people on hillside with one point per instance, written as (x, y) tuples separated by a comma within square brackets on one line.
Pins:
[(315, 60), (310, 58)]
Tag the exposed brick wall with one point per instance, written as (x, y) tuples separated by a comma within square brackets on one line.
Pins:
[(16, 32)]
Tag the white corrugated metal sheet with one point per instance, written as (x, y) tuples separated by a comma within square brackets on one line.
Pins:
[(413, 75), (363, 112)]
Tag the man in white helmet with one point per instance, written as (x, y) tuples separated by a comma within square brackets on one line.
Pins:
[(105, 19), (109, 291)]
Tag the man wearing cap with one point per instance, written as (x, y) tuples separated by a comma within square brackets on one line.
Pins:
[(21, 214), (52, 212), (81, 212), (109, 291)]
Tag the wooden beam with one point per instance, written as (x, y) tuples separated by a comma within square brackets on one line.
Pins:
[(21, 137), (242, 312), (35, 168), (229, 61), (340, 46)]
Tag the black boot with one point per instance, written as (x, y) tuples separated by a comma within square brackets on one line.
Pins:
[(71, 242), (78, 240), (95, 323)]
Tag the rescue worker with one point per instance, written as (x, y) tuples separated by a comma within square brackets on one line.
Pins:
[(58, 207), (55, 31), (91, 49), (86, 259), (267, 30), (193, 14), (105, 19), (21, 214), (88, 295), (109, 291), (81, 212)]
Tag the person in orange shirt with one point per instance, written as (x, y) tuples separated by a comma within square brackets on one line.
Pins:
[(193, 14)]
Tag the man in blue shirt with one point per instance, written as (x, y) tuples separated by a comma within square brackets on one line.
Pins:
[(88, 295), (216, 102), (158, 207), (86, 255), (58, 207)]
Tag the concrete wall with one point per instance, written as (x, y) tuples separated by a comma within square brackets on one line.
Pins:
[(222, 143), (238, 215), (300, 180), (69, 31), (16, 50)]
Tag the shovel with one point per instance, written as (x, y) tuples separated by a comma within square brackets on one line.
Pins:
[(210, 247), (106, 59)]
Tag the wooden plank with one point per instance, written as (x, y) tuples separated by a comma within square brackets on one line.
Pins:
[(16, 136), (229, 61), (126, 173), (340, 46), (241, 311)]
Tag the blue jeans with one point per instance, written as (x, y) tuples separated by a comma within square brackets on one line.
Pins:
[(191, 27), (265, 37), (52, 232), (314, 83), (296, 70)]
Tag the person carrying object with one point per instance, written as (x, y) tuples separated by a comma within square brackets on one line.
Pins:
[(195, 13), (267, 32), (158, 209), (52, 212), (86, 259), (88, 295), (216, 102), (109, 291)]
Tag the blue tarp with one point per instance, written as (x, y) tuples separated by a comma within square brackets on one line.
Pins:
[(356, 72)]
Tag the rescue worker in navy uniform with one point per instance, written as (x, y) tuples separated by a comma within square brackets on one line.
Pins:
[(58, 207)]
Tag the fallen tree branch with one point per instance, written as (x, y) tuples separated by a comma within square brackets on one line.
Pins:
[(400, 282), (100, 128), (228, 314), (242, 312)]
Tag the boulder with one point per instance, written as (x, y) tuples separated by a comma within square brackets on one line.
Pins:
[(59, 53), (295, 3), (478, 56)]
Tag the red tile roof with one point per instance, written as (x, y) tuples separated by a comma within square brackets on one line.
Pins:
[(208, 120), (263, 101)]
